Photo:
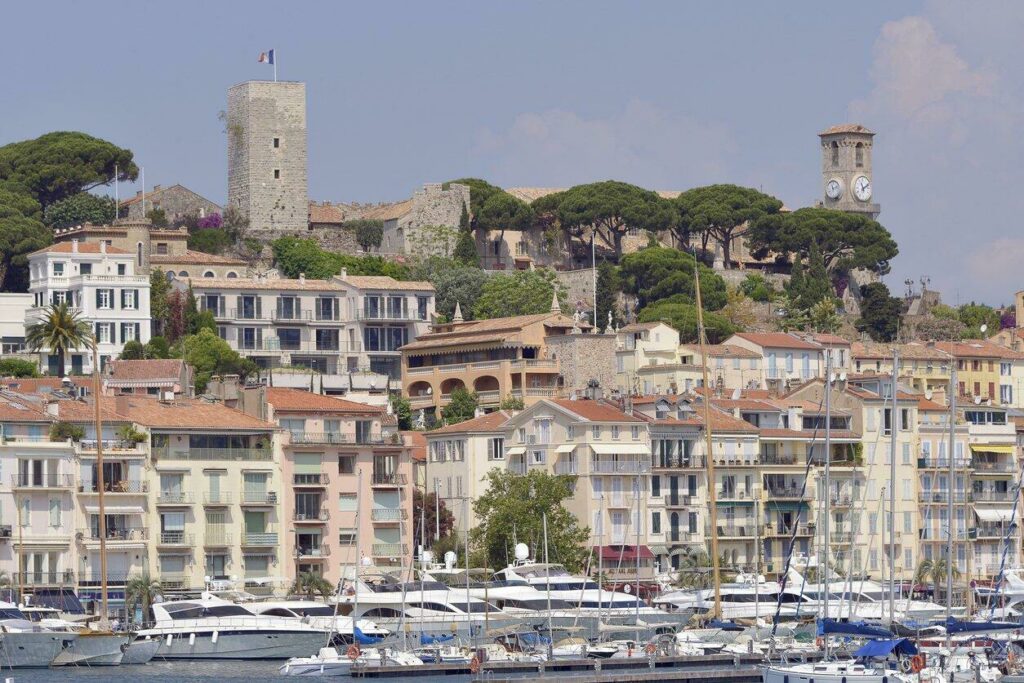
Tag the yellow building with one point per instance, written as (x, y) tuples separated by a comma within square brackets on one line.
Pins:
[(987, 371)]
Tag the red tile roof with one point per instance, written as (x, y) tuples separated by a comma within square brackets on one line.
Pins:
[(143, 370), (83, 248), (417, 443), (978, 348), (182, 413), (594, 411), (777, 340), (197, 258), (830, 339), (298, 400), (491, 422), (722, 350)]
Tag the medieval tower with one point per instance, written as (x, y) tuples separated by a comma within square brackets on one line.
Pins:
[(266, 128), (846, 169)]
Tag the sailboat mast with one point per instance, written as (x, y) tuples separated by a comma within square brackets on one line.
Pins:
[(639, 521), (355, 582), (100, 485), (828, 483), (894, 425), (757, 565), (547, 574), (710, 457), (949, 515)]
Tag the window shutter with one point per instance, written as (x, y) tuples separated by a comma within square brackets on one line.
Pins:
[(123, 297), (135, 293), (238, 304), (138, 332), (113, 333), (280, 303), (259, 307), (98, 298)]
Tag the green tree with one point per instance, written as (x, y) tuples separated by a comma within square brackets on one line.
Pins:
[(512, 403), (658, 273), (157, 347), (402, 408), (429, 506), (609, 285), (159, 289), (369, 232), (809, 286), (133, 350), (158, 217), (209, 240), (465, 250), (512, 510), (682, 315), (461, 406), (722, 213), (524, 292), (464, 224), (612, 208), (879, 312), (235, 223), (62, 431), (79, 209), (59, 331), (295, 256), (61, 164), (793, 317), (141, 591), (210, 355), (935, 572), (738, 309), (824, 316), (758, 288), (20, 235), (974, 315), (494, 209), (453, 283), (18, 367), (312, 586), (847, 240)]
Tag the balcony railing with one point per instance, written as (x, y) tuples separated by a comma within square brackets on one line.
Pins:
[(57, 578), (619, 466), (943, 496), (213, 453), (42, 481), (787, 531), (121, 486), (389, 550), (387, 479), (387, 515), (777, 459), (534, 364), (321, 515), (789, 492), (990, 531), (217, 498), (174, 498), (841, 536), (259, 498), (680, 500), (87, 447), (399, 316), (677, 462), (318, 480), (734, 494), (175, 538), (113, 579), (735, 531), (375, 438), (129, 535), (322, 550), (259, 539), (989, 466), (942, 463), (992, 496), (215, 538)]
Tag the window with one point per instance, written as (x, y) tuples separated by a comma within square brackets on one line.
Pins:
[(858, 152), (104, 299), (522, 435), (887, 421), (570, 432), (835, 154), (277, 174), (129, 299), (906, 453), (85, 269), (208, 273), (347, 537), (55, 512), (421, 307), (129, 332), (161, 248), (615, 431), (595, 432), (346, 464), (634, 433), (103, 333), (277, 142), (904, 419), (289, 338), (537, 457), (58, 268), (496, 448), (656, 522), (346, 502), (873, 522), (908, 522)]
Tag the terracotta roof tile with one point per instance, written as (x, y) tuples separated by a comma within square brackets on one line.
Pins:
[(389, 211), (327, 213), (594, 411), (830, 339), (417, 443), (748, 404), (494, 330), (912, 351), (83, 248), (386, 282), (272, 284), (297, 400), (136, 370), (490, 422), (15, 408), (722, 350), (637, 327), (778, 340), (979, 348), (182, 413), (196, 258)]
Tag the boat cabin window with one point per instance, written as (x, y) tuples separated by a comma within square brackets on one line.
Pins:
[(381, 613), (11, 614), (279, 612)]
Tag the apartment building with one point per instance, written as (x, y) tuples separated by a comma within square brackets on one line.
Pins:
[(729, 366), (647, 360), (495, 358), (347, 473), (347, 324), (459, 459), (788, 358), (100, 283), (987, 370), (923, 367)]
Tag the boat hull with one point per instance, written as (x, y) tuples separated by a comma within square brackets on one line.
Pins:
[(32, 650), (313, 667), (240, 645), (94, 649), (140, 651)]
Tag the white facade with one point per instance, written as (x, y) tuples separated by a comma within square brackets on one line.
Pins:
[(101, 284), (12, 322)]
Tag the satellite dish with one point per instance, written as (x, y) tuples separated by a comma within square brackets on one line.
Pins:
[(449, 559), (427, 557), (207, 579), (627, 588), (984, 329), (430, 390), (736, 393), (977, 400), (522, 551), (832, 378)]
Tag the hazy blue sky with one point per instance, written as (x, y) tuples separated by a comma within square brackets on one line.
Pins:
[(668, 95)]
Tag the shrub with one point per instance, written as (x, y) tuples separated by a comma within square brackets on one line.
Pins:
[(62, 431)]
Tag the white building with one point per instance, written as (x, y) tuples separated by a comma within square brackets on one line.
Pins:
[(12, 322), (100, 283)]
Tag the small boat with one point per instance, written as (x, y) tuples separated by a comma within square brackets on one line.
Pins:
[(326, 662)]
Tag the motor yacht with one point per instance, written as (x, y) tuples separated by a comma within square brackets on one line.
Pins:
[(748, 597), (859, 599), (27, 645), (91, 648), (212, 628), (319, 615)]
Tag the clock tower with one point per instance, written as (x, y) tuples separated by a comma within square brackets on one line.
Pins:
[(846, 169)]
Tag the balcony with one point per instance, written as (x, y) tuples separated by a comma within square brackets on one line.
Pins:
[(113, 579), (114, 487), (215, 538), (387, 479), (56, 578), (174, 498), (992, 531), (388, 515), (932, 496), (488, 397), (992, 497), (789, 492), (389, 550), (317, 438), (259, 498), (187, 453), (175, 538), (311, 517), (735, 494), (173, 580), (619, 467), (217, 498), (677, 462), (42, 481), (997, 467), (115, 536), (111, 447), (389, 316), (735, 531), (259, 539), (841, 500), (942, 463), (679, 500), (317, 480), (534, 364), (782, 531), (777, 459), (567, 467), (313, 552), (842, 537)]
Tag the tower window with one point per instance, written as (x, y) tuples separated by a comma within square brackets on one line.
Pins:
[(277, 174), (835, 153), (277, 142), (859, 154)]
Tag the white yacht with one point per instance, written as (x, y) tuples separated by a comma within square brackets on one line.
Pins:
[(328, 662), (27, 645), (748, 597), (318, 615), (91, 648), (212, 628), (860, 599)]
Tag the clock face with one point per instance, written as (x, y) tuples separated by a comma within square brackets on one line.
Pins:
[(862, 188), (834, 189)]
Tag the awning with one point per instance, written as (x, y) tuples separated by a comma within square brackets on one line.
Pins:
[(659, 549), (880, 649), (993, 448), (994, 515), (115, 509), (621, 448), (624, 552), (515, 450), (566, 448), (786, 504)]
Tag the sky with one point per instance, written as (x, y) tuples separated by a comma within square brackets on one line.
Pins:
[(667, 95)]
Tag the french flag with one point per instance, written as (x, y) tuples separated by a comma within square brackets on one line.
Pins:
[(266, 57)]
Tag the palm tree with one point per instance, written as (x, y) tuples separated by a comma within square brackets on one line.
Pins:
[(312, 585), (60, 330), (934, 572), (141, 590)]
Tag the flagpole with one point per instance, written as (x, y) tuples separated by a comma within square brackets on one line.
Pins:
[(275, 65), (117, 197)]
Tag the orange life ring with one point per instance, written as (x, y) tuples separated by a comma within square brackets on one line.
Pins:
[(819, 642), (474, 665), (353, 651), (917, 663), (650, 648)]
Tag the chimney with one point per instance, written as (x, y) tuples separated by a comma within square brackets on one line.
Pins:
[(302, 278), (156, 188), (74, 246), (629, 405), (344, 273), (103, 247)]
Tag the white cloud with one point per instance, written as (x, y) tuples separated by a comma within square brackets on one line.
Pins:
[(643, 144)]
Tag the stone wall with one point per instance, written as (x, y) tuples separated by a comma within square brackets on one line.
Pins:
[(267, 179), (176, 201), (580, 286), (430, 206), (583, 357)]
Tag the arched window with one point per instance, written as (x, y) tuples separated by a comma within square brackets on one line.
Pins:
[(170, 275), (208, 273), (183, 273), (835, 153), (138, 254), (859, 154), (232, 274)]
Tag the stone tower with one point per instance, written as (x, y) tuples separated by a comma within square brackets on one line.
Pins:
[(846, 169), (266, 128)]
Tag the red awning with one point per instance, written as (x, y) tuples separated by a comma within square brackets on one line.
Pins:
[(624, 552)]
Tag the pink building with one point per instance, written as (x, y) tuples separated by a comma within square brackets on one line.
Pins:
[(328, 444)]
